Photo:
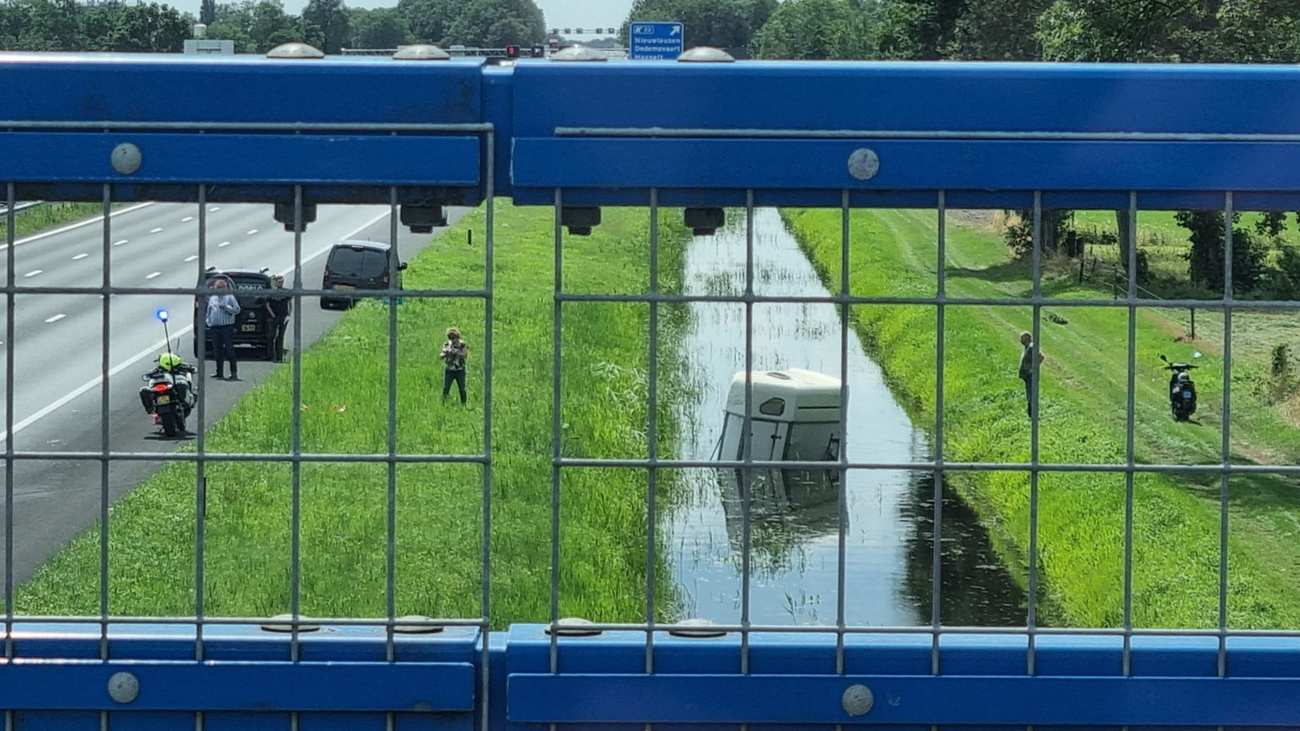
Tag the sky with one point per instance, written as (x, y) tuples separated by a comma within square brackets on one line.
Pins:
[(559, 13)]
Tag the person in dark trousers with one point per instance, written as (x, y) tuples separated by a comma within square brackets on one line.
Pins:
[(278, 308), (223, 308), (1027, 369), (454, 353)]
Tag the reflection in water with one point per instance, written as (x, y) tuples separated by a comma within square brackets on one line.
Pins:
[(794, 515), (975, 588), (787, 508)]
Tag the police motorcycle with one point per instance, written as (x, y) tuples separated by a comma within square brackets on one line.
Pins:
[(169, 394), (1182, 390)]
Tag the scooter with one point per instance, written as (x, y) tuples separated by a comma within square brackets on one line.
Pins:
[(1182, 390), (169, 395)]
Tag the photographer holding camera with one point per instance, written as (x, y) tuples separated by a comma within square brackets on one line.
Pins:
[(454, 353)]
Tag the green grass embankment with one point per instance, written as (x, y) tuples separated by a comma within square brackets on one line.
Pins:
[(438, 536), (1081, 515), (46, 216)]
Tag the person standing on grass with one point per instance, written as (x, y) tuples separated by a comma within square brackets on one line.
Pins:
[(1027, 369), (454, 354), (223, 308)]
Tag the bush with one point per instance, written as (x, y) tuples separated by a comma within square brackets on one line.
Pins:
[(1281, 374)]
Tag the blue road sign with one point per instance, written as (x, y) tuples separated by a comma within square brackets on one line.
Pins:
[(656, 41)]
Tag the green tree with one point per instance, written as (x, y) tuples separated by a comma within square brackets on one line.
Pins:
[(1206, 257), (818, 29), (208, 12), (255, 26), (428, 20), (151, 27), (719, 23), (41, 25), (919, 29), (497, 23), (378, 28), (270, 26), (325, 24), (997, 30), (1173, 31), (96, 24)]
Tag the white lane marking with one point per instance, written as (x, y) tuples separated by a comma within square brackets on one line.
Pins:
[(151, 275), (191, 257), (156, 230), (214, 209), (79, 257), (32, 273), (121, 242), (153, 349), (251, 232), (56, 318), (223, 244), (74, 226), (187, 219)]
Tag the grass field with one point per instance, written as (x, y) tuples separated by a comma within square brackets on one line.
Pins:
[(1081, 515), (47, 215), (438, 514), (1166, 245)]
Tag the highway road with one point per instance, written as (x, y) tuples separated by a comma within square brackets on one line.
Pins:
[(57, 342)]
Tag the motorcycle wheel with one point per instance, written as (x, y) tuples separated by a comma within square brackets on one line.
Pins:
[(172, 423)]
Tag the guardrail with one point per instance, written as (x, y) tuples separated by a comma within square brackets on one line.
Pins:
[(19, 208)]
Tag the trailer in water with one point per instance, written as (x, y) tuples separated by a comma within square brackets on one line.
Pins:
[(794, 415)]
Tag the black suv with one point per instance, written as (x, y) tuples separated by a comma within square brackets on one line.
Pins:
[(262, 320), (356, 265)]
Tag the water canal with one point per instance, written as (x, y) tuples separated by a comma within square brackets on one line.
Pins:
[(794, 530)]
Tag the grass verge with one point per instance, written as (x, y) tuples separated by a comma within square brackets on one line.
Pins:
[(437, 551), (46, 216), (1081, 515)]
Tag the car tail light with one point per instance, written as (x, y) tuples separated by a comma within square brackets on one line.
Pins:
[(160, 387)]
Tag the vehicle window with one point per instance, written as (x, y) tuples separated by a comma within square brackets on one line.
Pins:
[(367, 263)]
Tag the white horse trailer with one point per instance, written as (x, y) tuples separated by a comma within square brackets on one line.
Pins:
[(794, 415)]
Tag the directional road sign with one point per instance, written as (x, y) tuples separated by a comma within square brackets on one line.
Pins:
[(656, 41)]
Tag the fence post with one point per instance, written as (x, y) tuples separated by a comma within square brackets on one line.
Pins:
[(1193, 310)]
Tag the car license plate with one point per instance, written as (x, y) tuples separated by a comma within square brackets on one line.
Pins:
[(164, 399), (344, 287), (249, 327)]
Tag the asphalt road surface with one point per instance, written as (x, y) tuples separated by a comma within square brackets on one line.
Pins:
[(57, 343)]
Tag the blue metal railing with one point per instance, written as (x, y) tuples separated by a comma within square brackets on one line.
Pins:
[(582, 135)]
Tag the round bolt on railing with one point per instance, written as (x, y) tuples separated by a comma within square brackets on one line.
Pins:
[(416, 624), (697, 628), (573, 627), (421, 52), (857, 700), (123, 687), (864, 163), (576, 53), (294, 50), (284, 623), (706, 54), (126, 158)]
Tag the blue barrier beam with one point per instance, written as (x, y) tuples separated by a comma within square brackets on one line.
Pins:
[(811, 699), (328, 159), (1083, 134), (234, 686), (797, 164)]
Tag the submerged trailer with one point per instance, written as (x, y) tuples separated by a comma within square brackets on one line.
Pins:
[(794, 415)]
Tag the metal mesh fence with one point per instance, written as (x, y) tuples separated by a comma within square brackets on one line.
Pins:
[(654, 464)]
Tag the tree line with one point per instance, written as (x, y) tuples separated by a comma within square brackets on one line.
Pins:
[(256, 26)]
